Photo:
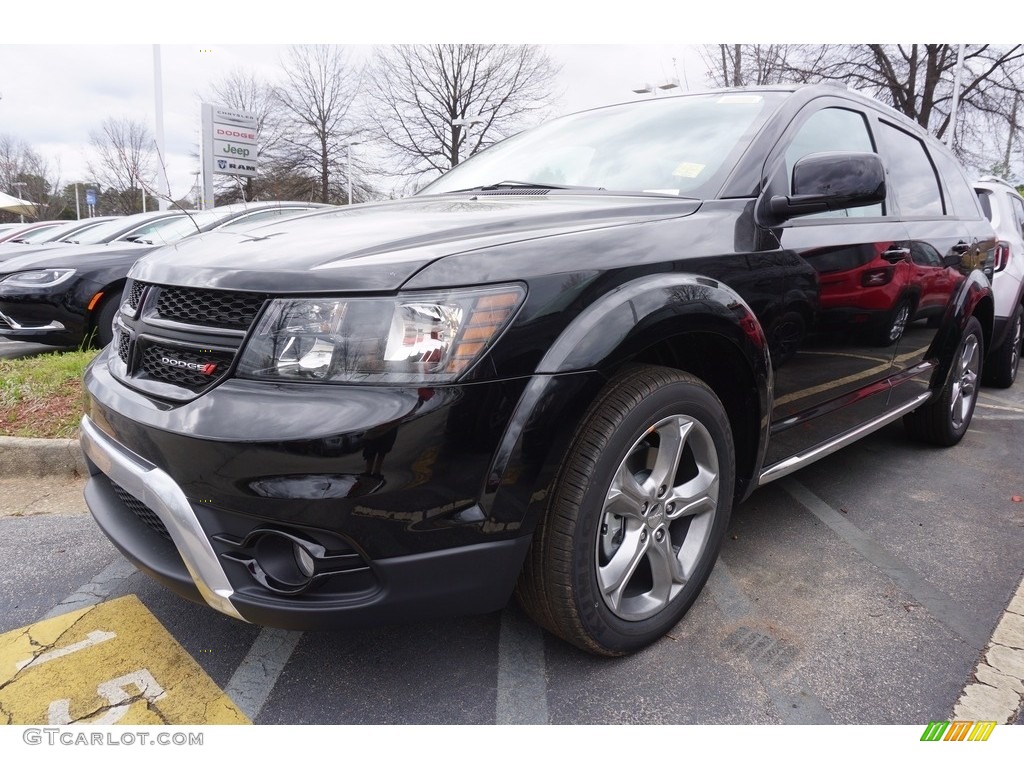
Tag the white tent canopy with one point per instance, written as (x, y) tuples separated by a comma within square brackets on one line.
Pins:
[(16, 205)]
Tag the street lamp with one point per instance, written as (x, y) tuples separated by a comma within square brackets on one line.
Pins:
[(468, 122), (349, 145), (648, 88), (17, 184)]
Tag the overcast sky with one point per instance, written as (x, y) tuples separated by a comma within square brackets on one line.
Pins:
[(63, 73), (70, 89)]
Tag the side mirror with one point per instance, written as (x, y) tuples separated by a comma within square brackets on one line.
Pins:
[(831, 181)]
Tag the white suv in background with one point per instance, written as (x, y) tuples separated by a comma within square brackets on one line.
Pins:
[(1004, 207)]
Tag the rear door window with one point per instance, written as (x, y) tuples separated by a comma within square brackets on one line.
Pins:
[(912, 174)]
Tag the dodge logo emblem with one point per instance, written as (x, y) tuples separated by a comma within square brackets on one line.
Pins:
[(207, 369)]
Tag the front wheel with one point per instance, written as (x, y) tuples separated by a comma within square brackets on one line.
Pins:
[(105, 319), (945, 421), (636, 516)]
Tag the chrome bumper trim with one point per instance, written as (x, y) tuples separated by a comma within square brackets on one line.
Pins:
[(155, 488), (15, 326)]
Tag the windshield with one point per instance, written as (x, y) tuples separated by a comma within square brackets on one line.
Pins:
[(108, 230), (173, 229), (45, 233), (36, 234), (122, 228), (59, 232), (677, 146)]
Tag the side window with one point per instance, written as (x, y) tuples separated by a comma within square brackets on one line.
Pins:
[(832, 130), (961, 194), (912, 174), (985, 201), (1018, 213)]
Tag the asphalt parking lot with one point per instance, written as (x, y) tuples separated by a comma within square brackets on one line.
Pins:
[(863, 589)]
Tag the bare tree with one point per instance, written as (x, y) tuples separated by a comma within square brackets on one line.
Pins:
[(124, 155), (915, 79), (421, 92), (317, 98), (24, 173), (733, 65)]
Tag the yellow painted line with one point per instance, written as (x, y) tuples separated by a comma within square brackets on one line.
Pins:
[(854, 355), (868, 374), (105, 664)]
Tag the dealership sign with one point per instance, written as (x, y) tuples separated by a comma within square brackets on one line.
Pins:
[(229, 146)]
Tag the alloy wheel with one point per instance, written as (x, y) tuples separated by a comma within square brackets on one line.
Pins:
[(657, 517)]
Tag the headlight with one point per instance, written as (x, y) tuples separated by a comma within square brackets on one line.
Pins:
[(427, 338), (38, 278)]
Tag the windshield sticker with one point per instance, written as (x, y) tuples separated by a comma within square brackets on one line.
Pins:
[(688, 170)]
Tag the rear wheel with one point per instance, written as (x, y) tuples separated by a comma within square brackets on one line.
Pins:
[(945, 421), (1001, 366), (636, 516)]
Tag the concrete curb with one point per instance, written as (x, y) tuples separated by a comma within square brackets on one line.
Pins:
[(37, 457)]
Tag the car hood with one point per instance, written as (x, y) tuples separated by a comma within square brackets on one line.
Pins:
[(375, 247), (75, 256)]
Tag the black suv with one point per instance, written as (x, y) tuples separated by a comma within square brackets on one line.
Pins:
[(554, 371)]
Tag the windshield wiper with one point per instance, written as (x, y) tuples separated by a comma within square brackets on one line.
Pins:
[(511, 184)]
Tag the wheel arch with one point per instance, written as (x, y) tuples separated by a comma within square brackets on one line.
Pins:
[(685, 322), (92, 315)]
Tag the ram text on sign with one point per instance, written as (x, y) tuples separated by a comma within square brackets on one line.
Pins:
[(234, 167)]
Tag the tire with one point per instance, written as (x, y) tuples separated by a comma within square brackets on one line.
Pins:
[(636, 515), (1002, 364), (895, 325), (105, 319), (944, 421)]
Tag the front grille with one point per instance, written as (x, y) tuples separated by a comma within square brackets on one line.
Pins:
[(134, 293), (201, 307), (155, 364), (141, 511), (123, 344)]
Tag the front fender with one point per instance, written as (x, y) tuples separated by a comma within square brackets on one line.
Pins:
[(644, 311), (621, 326)]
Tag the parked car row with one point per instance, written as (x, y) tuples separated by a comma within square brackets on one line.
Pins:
[(66, 292)]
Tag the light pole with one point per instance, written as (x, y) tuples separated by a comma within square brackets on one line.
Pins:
[(348, 174), (17, 184), (648, 88), (466, 123)]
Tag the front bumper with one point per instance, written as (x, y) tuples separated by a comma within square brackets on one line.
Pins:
[(461, 580), (45, 316)]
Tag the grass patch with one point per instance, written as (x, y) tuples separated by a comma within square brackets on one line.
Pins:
[(41, 396)]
